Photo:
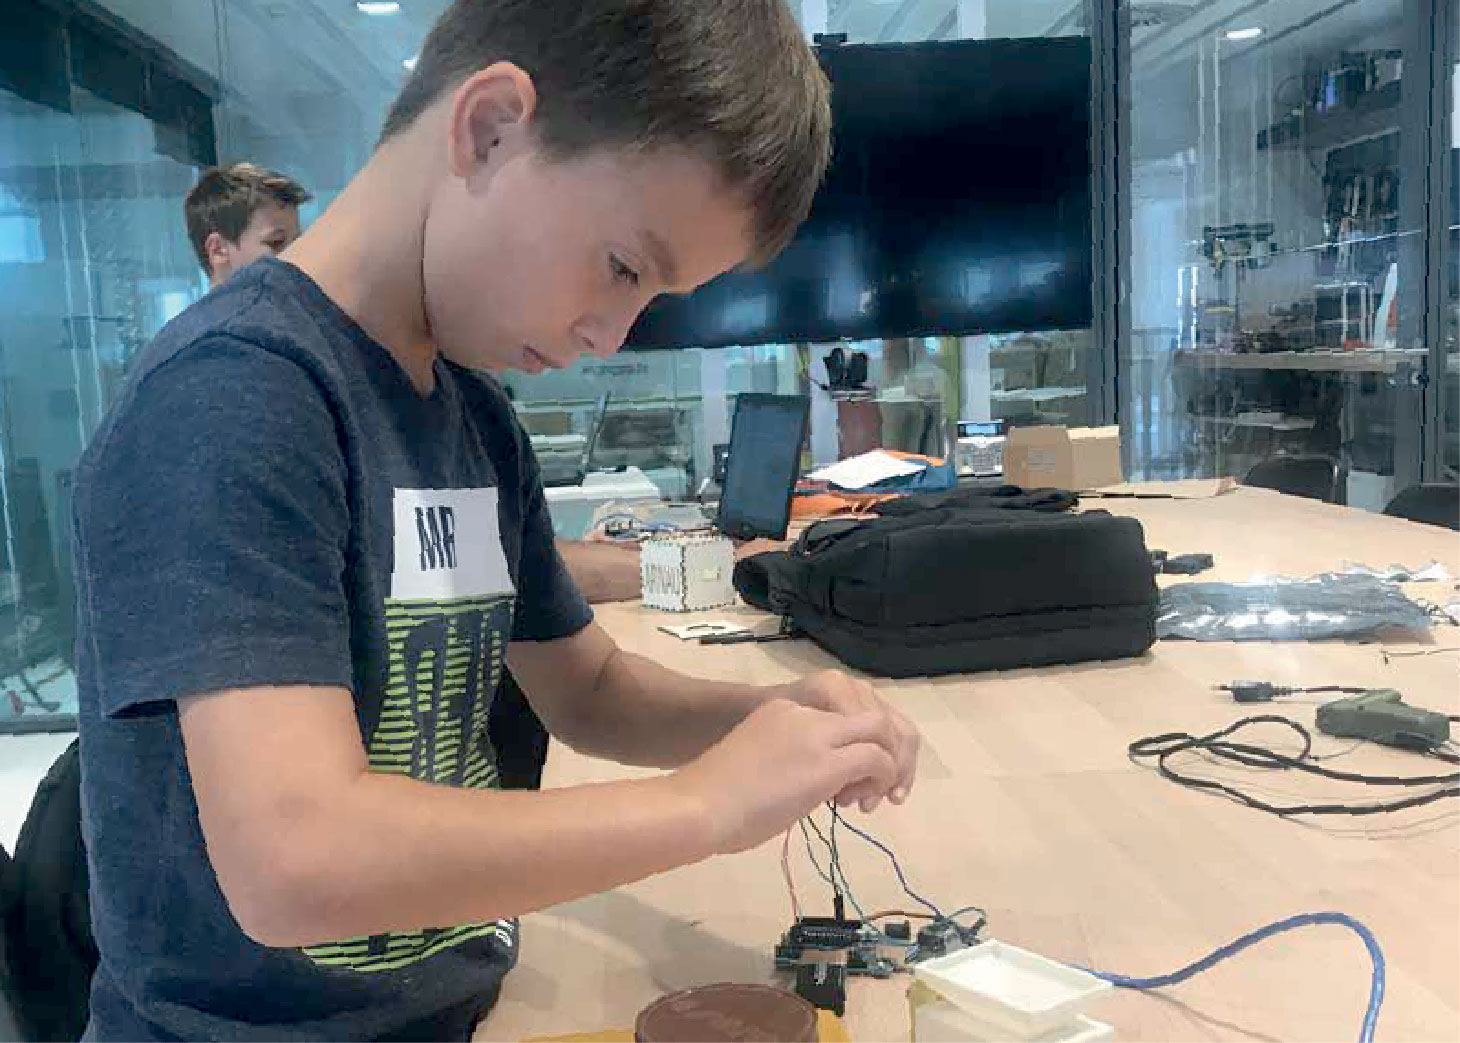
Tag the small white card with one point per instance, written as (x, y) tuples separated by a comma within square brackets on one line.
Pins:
[(695, 631), (448, 545)]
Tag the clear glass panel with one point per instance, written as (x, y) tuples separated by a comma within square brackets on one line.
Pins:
[(1039, 378), (643, 423), (907, 21), (1274, 259), (304, 89), (93, 260), (307, 85)]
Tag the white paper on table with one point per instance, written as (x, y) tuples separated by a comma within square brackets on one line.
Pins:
[(867, 469)]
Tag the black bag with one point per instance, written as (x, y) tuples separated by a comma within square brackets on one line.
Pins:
[(952, 590), (979, 497), (48, 923)]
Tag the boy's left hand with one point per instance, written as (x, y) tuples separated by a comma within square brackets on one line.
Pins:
[(837, 692)]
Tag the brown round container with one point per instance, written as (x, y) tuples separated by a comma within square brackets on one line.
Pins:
[(728, 1014)]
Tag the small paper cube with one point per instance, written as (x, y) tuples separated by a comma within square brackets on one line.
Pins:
[(687, 572)]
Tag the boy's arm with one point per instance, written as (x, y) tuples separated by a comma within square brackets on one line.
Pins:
[(310, 846), (604, 701)]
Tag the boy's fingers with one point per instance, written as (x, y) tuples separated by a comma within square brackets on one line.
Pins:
[(910, 746), (869, 726), (862, 771)]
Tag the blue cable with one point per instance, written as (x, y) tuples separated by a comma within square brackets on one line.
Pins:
[(836, 814), (1376, 987)]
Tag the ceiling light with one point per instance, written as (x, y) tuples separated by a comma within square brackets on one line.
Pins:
[(377, 7), (410, 64), (1243, 34)]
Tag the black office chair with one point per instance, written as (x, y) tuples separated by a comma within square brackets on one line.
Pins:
[(1312, 477), (9, 1024), (1431, 504), (47, 922)]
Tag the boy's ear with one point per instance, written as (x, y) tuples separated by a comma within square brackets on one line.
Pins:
[(216, 248), (492, 108)]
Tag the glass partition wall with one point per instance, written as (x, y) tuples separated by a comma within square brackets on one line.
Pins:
[(1278, 230), (1273, 293)]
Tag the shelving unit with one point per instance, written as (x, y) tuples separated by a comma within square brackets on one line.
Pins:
[(1309, 361), (1311, 365), (1373, 113)]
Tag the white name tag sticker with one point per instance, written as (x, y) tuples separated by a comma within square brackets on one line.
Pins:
[(448, 545)]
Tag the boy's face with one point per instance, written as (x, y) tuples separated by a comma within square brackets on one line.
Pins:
[(531, 262), (270, 229)]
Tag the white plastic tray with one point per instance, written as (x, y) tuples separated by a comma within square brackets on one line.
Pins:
[(1010, 988), (942, 1022)]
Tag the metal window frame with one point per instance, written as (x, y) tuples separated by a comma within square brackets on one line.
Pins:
[(1437, 25), (1425, 181), (1110, 218)]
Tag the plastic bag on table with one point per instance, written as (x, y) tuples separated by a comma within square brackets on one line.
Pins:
[(1433, 572), (1329, 605)]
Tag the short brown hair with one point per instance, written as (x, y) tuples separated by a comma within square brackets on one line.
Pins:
[(225, 198), (733, 79)]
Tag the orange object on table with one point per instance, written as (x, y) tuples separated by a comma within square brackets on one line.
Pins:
[(815, 500)]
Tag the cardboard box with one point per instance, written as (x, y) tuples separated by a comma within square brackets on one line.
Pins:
[(1063, 457)]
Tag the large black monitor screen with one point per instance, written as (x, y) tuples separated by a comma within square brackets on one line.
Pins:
[(958, 201)]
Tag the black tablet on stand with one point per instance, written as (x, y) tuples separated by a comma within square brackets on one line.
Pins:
[(763, 464)]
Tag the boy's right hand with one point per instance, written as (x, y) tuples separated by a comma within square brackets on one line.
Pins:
[(781, 763)]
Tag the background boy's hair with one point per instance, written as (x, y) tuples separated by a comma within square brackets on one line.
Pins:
[(734, 80), (225, 198)]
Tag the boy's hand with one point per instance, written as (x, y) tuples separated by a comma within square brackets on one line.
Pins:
[(836, 692), (782, 762)]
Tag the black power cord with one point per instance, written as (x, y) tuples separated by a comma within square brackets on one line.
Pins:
[(1266, 692), (1162, 747)]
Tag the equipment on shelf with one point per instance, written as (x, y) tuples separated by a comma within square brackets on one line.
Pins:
[(979, 449), (1245, 245)]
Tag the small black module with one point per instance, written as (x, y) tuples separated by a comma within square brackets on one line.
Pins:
[(823, 985)]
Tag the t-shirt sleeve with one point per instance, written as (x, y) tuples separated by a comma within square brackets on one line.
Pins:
[(212, 527), (549, 604)]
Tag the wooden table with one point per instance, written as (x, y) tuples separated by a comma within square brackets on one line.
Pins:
[(1027, 805)]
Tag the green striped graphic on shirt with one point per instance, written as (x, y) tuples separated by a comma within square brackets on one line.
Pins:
[(446, 659), (392, 952)]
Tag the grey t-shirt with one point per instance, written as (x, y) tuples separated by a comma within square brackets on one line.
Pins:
[(272, 502)]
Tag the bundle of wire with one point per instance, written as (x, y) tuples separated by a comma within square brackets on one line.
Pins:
[(835, 876), (840, 887), (1219, 746)]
